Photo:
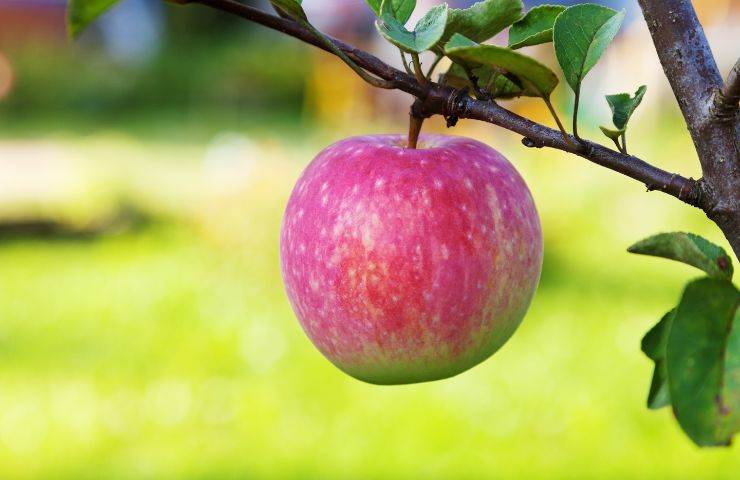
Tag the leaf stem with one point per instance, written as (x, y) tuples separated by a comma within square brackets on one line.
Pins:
[(566, 137), (624, 142), (575, 113), (405, 62), (616, 142), (417, 70), (473, 80), (371, 79)]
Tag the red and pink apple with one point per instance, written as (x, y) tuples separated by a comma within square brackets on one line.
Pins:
[(409, 265)]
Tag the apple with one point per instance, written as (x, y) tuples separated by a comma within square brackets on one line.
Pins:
[(410, 265)]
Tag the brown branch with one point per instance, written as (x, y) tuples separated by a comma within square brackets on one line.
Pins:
[(436, 99), (688, 64)]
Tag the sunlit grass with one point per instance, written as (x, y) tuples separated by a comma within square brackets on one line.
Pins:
[(171, 351)]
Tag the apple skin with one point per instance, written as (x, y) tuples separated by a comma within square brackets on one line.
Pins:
[(407, 266)]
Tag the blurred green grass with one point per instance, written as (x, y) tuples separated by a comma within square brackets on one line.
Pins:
[(170, 351)]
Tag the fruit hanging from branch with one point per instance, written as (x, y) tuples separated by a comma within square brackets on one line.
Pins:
[(408, 265)]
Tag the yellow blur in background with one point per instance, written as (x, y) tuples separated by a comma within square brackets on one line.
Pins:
[(144, 331)]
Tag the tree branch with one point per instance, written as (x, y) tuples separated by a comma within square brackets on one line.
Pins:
[(692, 72), (436, 99)]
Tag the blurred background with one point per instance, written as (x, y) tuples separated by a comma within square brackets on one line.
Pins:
[(144, 332)]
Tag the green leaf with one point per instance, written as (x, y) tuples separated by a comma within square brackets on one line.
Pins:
[(690, 249), (654, 342), (425, 35), (659, 395), (654, 345), (623, 106), (581, 34), (491, 80), (613, 134), (703, 360), (535, 77), (535, 27), (402, 9), (293, 8), (482, 20), (81, 13)]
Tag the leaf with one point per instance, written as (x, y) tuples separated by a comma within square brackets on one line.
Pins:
[(292, 7), (482, 20), (425, 35), (613, 134), (581, 34), (81, 13), (623, 106), (703, 360), (535, 27), (654, 342), (690, 249), (491, 80), (659, 395), (536, 77), (402, 9), (654, 345)]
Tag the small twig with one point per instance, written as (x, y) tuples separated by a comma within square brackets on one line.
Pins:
[(557, 120), (624, 143), (575, 114), (492, 81), (418, 73), (405, 62), (616, 142), (371, 79), (473, 80)]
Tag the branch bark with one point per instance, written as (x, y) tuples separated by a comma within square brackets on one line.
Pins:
[(436, 99), (688, 64)]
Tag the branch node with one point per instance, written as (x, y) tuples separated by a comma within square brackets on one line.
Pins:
[(456, 105), (529, 143), (689, 191), (723, 108)]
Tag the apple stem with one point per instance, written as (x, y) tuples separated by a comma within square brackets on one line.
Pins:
[(415, 123)]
